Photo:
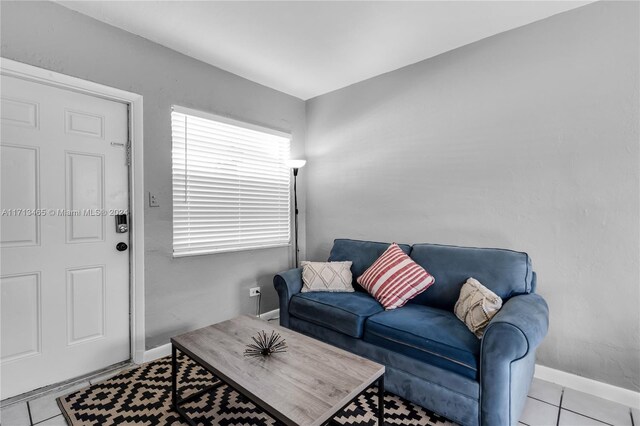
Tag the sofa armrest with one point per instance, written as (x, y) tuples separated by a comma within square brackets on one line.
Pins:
[(287, 284), (507, 357), (528, 314)]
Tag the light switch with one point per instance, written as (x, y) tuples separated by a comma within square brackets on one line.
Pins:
[(153, 200)]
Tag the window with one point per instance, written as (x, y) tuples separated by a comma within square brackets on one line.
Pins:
[(231, 186)]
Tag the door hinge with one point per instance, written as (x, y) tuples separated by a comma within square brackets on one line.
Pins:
[(128, 153)]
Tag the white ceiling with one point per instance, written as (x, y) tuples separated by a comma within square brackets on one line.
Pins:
[(309, 48)]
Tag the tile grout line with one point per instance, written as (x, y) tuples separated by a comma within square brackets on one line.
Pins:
[(44, 420), (584, 415), (542, 400), (29, 413), (589, 417), (560, 407)]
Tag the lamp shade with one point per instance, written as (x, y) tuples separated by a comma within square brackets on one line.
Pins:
[(296, 164)]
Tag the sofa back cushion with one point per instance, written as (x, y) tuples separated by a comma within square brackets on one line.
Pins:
[(505, 272), (361, 253)]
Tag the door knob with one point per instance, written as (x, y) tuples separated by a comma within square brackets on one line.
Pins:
[(121, 246)]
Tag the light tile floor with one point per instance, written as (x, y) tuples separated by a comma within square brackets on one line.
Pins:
[(552, 405), (548, 405), (42, 409)]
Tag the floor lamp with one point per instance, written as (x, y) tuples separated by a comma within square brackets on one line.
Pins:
[(295, 165)]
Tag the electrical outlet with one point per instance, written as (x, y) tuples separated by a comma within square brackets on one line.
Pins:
[(153, 200), (254, 291)]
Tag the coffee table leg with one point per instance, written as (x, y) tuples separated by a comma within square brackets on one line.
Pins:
[(381, 401), (174, 377)]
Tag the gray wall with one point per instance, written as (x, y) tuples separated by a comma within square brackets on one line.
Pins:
[(181, 294), (526, 140)]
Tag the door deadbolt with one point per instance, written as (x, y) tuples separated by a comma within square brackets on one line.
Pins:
[(121, 223), (121, 246)]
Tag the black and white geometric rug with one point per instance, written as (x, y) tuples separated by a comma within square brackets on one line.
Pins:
[(142, 396)]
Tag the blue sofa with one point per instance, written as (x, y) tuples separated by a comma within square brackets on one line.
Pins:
[(431, 358)]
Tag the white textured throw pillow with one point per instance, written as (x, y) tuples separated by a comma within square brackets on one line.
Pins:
[(326, 276), (476, 306)]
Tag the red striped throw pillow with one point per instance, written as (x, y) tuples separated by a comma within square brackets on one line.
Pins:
[(395, 278)]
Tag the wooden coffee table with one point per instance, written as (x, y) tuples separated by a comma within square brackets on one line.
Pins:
[(307, 385)]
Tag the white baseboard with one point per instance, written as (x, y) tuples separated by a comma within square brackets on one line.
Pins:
[(165, 350), (138, 356), (157, 352), (590, 386), (270, 315)]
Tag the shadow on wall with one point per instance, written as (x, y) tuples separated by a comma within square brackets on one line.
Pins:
[(269, 300)]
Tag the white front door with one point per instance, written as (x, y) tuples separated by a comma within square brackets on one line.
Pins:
[(64, 285)]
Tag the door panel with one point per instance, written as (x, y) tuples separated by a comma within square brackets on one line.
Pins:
[(20, 316), (85, 304), (65, 287), (19, 113), (19, 189), (85, 188), (84, 124)]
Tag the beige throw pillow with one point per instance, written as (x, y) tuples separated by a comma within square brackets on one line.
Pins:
[(476, 306), (326, 276)]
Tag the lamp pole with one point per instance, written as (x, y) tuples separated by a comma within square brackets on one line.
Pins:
[(296, 165), (295, 211)]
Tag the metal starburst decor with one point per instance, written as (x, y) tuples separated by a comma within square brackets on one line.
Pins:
[(265, 345)]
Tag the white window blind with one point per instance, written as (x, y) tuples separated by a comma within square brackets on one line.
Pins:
[(230, 185)]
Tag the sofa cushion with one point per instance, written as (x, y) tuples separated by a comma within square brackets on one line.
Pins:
[(429, 334), (361, 253), (342, 312), (505, 272)]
